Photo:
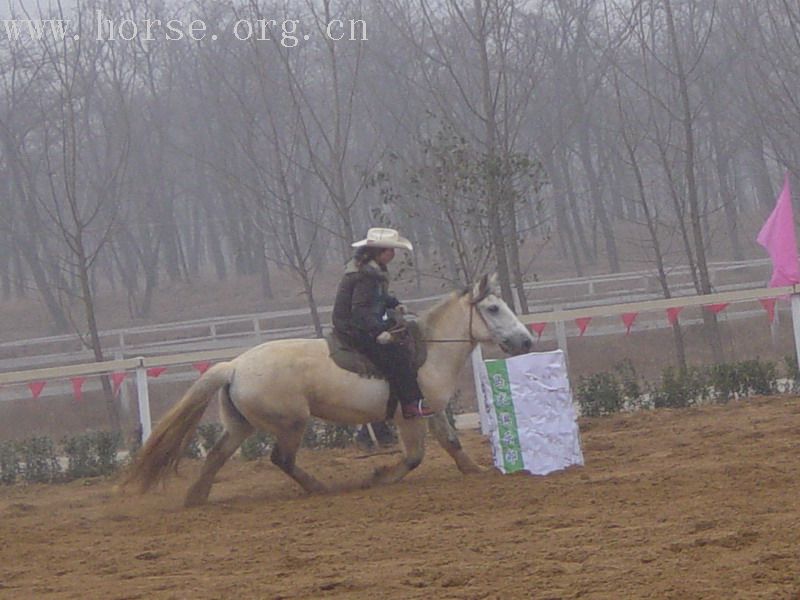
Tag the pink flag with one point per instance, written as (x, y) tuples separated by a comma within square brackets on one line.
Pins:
[(117, 379), (36, 388), (538, 328), (77, 387), (716, 308), (202, 367), (628, 319), (583, 323), (778, 237), (155, 371), (672, 314), (769, 306)]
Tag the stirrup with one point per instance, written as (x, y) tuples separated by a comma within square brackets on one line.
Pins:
[(416, 410)]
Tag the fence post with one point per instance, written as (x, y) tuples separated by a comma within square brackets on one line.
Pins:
[(796, 320), (144, 399), (774, 327), (561, 336), (124, 397)]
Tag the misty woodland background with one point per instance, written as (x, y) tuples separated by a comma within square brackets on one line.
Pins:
[(484, 129)]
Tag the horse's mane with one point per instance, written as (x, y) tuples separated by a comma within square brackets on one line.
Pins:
[(433, 315)]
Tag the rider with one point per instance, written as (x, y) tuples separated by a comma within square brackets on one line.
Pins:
[(360, 316)]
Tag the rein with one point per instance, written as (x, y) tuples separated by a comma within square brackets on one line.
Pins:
[(472, 304)]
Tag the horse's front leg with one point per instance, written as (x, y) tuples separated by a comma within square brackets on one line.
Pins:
[(412, 434), (448, 438)]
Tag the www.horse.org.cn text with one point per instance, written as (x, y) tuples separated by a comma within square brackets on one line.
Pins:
[(289, 33)]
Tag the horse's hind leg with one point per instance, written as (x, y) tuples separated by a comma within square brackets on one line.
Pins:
[(412, 434), (237, 429), (289, 438), (447, 437)]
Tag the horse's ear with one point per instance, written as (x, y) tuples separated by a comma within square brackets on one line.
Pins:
[(493, 282), (481, 288)]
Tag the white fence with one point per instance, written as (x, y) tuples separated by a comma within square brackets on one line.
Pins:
[(140, 364), (250, 329)]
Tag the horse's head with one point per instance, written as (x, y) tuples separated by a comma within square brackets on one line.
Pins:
[(496, 322)]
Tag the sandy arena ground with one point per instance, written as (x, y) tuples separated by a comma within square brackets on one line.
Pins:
[(699, 503)]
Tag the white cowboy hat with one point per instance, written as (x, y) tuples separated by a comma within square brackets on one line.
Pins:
[(383, 237)]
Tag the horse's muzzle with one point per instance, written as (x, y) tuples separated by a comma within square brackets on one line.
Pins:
[(521, 344)]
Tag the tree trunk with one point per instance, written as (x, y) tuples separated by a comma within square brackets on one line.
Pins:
[(575, 213), (755, 149), (595, 189), (60, 321), (565, 233), (495, 199), (94, 335), (709, 319)]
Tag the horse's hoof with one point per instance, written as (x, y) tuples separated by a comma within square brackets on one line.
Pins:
[(194, 500), (380, 475), (475, 470)]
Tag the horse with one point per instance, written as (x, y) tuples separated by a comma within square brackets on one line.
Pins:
[(277, 386)]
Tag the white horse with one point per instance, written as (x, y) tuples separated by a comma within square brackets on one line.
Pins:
[(277, 386)]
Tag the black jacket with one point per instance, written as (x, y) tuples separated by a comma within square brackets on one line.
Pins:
[(361, 303)]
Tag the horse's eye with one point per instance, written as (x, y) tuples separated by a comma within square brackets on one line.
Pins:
[(494, 309)]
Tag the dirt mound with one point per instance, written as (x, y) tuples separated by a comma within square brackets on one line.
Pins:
[(671, 504)]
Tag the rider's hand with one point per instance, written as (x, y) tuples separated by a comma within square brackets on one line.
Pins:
[(401, 308), (384, 338)]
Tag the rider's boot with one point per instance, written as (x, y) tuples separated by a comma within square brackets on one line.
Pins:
[(416, 409)]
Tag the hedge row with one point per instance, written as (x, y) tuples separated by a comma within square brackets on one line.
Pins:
[(621, 389), (40, 460)]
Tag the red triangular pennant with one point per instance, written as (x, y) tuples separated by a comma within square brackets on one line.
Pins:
[(672, 314), (769, 306), (538, 328), (36, 388), (155, 371), (77, 387), (628, 319), (583, 323), (117, 379), (717, 308), (202, 367)]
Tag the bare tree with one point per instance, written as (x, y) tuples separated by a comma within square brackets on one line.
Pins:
[(85, 142)]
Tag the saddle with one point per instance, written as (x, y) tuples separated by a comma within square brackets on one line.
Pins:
[(350, 359)]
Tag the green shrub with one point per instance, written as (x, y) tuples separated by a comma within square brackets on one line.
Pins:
[(208, 434), (678, 389), (192, 448), (759, 377), (10, 467), (792, 373), (725, 381), (106, 445), (321, 434), (742, 379), (257, 445), (631, 388), (599, 394), (40, 464), (81, 460), (91, 454)]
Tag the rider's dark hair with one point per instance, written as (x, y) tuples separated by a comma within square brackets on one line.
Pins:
[(364, 254)]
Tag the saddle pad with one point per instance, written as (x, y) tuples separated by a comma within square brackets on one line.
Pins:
[(350, 359)]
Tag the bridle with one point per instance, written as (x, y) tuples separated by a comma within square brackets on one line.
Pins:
[(473, 303)]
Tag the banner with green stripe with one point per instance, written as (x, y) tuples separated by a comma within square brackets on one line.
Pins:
[(508, 434)]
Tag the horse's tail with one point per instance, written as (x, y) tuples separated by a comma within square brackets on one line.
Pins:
[(164, 448)]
